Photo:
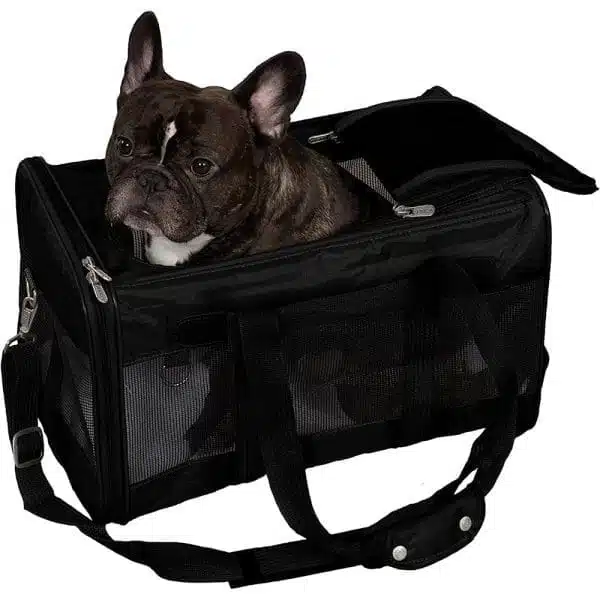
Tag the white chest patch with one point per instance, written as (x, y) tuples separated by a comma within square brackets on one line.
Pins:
[(162, 251)]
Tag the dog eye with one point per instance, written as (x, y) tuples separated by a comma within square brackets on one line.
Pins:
[(124, 146), (201, 167)]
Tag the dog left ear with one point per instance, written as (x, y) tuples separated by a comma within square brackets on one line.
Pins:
[(271, 93), (144, 55)]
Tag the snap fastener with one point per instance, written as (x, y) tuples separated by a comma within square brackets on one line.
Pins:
[(399, 553), (465, 524)]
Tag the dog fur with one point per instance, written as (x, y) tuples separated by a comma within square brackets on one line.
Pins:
[(261, 190)]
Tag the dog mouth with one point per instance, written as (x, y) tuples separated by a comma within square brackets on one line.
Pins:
[(142, 219), (164, 214)]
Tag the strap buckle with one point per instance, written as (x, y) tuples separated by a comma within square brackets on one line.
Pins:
[(18, 437)]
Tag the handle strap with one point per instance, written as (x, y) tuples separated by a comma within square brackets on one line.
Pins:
[(409, 538), (281, 448)]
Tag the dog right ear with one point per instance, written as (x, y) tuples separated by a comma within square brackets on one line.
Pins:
[(144, 58), (271, 93)]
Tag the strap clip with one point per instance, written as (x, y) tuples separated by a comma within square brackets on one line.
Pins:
[(29, 308)]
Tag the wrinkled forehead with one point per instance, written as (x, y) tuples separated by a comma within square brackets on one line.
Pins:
[(202, 117)]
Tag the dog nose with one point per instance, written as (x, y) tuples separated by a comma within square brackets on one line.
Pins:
[(152, 181)]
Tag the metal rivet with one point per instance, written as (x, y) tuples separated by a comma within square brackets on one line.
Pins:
[(465, 524), (399, 553)]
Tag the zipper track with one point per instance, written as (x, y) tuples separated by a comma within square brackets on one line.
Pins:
[(110, 455), (459, 199), (387, 228)]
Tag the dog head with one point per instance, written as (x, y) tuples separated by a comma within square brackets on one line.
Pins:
[(183, 162)]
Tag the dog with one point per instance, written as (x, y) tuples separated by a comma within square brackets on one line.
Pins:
[(212, 172)]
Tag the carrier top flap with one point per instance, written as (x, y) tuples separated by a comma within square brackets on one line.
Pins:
[(402, 140)]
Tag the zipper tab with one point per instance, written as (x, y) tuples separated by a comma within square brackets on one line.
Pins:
[(414, 212), (324, 137), (30, 289), (94, 275), (29, 306), (29, 309)]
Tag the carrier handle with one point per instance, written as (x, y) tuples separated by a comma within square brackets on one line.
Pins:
[(414, 536), (409, 538)]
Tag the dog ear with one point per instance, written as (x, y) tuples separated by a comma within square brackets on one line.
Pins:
[(271, 93), (144, 58)]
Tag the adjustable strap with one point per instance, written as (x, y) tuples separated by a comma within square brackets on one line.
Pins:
[(180, 562), (176, 561), (410, 538), (282, 453)]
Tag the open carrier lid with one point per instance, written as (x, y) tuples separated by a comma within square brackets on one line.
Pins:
[(410, 142)]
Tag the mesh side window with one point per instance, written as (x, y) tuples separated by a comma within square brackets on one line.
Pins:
[(76, 397), (371, 362), (178, 407)]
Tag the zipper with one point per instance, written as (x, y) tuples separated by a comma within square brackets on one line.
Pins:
[(413, 212), (386, 228), (105, 354), (29, 306), (319, 138), (349, 118), (460, 199), (93, 277)]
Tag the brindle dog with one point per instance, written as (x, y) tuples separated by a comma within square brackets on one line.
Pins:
[(212, 172)]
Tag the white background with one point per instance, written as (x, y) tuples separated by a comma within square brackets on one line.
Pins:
[(534, 65)]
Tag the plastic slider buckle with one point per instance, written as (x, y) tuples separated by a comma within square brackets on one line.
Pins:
[(17, 438)]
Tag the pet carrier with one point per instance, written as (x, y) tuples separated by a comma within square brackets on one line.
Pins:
[(155, 384)]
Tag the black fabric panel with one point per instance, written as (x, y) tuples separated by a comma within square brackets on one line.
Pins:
[(62, 411), (403, 139), (190, 480), (45, 255), (153, 309)]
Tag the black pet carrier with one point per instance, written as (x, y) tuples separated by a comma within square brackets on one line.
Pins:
[(155, 385)]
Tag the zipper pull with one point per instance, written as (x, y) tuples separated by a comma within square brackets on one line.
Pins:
[(94, 275), (29, 306), (413, 212), (324, 137)]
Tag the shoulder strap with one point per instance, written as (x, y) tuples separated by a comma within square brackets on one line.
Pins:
[(409, 538)]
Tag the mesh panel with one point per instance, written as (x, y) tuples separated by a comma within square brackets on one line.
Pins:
[(139, 244), (178, 406), (76, 395), (43, 329), (359, 168), (381, 362)]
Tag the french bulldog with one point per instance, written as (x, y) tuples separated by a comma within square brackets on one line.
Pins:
[(211, 171)]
